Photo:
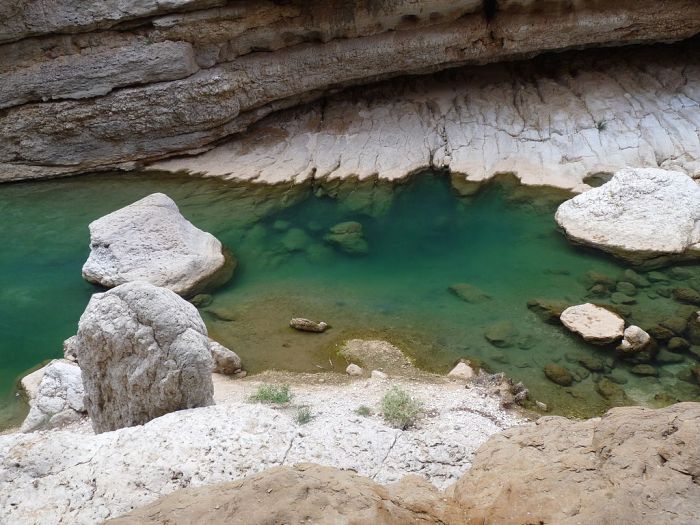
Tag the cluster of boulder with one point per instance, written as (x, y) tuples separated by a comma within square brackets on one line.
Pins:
[(141, 350)]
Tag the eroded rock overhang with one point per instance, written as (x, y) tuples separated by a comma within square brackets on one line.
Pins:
[(117, 86)]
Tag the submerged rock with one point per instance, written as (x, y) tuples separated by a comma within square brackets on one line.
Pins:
[(646, 216), (306, 325), (58, 399), (502, 334), (469, 293), (151, 241), (594, 323), (349, 237), (549, 310), (144, 352), (644, 370), (686, 295), (558, 374)]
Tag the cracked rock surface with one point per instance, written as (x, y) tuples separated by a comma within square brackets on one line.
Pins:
[(553, 121), (78, 477), (144, 352), (645, 216), (151, 241)]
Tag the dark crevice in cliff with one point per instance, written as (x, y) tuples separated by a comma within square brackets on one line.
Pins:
[(490, 9)]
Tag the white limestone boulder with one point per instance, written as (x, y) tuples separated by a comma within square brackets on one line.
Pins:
[(151, 241), (594, 323), (645, 216), (225, 361), (58, 400), (635, 340), (144, 352)]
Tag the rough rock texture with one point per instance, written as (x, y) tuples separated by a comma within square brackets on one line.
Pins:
[(635, 340), (306, 325), (173, 77), (306, 493), (151, 241), (79, 478), (225, 361), (554, 120), (644, 216), (634, 465), (144, 352), (594, 323), (58, 399)]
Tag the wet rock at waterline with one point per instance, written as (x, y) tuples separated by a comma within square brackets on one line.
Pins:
[(634, 340), (59, 397), (307, 325), (594, 323), (144, 352), (469, 293), (461, 371), (225, 361), (151, 241), (646, 216), (348, 237)]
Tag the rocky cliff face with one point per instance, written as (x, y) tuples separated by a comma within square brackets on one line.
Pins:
[(117, 84)]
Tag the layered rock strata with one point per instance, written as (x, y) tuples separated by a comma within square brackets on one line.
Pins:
[(116, 85)]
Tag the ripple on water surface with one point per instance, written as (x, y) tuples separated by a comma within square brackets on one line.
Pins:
[(445, 274)]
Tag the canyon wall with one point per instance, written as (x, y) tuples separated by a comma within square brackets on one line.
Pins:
[(118, 84)]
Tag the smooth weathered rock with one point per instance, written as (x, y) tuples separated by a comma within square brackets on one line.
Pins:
[(594, 323), (461, 371), (687, 295), (225, 361), (354, 370), (151, 241), (469, 293), (58, 399), (549, 310), (634, 465), (343, 44), (349, 237), (645, 216), (558, 374), (304, 493), (634, 340), (501, 334), (144, 352), (307, 325)]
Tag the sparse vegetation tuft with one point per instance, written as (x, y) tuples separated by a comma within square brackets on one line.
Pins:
[(601, 125), (399, 409), (363, 410), (303, 415), (272, 394)]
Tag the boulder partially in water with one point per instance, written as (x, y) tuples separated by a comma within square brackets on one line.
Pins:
[(645, 216), (58, 399), (225, 361), (144, 352), (635, 340), (151, 241), (595, 324)]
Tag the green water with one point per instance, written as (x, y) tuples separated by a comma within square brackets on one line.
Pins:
[(422, 238)]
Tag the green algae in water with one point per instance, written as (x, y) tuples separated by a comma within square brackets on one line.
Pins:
[(421, 238)]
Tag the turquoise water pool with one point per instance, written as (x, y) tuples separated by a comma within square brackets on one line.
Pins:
[(392, 280)]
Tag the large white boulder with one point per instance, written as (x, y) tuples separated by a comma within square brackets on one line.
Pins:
[(144, 352), (151, 241), (594, 323), (645, 216), (58, 399)]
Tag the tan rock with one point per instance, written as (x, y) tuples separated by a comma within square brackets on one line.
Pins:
[(461, 371), (354, 370), (306, 325), (594, 323)]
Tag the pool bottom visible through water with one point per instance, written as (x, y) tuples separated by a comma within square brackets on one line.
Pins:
[(374, 260)]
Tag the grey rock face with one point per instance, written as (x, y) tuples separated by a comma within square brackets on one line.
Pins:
[(225, 361), (58, 399), (645, 216), (176, 110), (151, 241), (144, 352)]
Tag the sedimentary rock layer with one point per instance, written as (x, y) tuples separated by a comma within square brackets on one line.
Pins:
[(121, 84), (553, 120)]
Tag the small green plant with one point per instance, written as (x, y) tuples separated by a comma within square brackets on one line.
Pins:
[(399, 409), (363, 410), (601, 125), (272, 394), (303, 415)]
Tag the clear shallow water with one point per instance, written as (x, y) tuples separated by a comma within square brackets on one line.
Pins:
[(421, 236)]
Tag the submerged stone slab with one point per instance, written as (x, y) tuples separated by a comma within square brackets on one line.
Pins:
[(594, 323), (645, 216), (144, 352), (151, 241)]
